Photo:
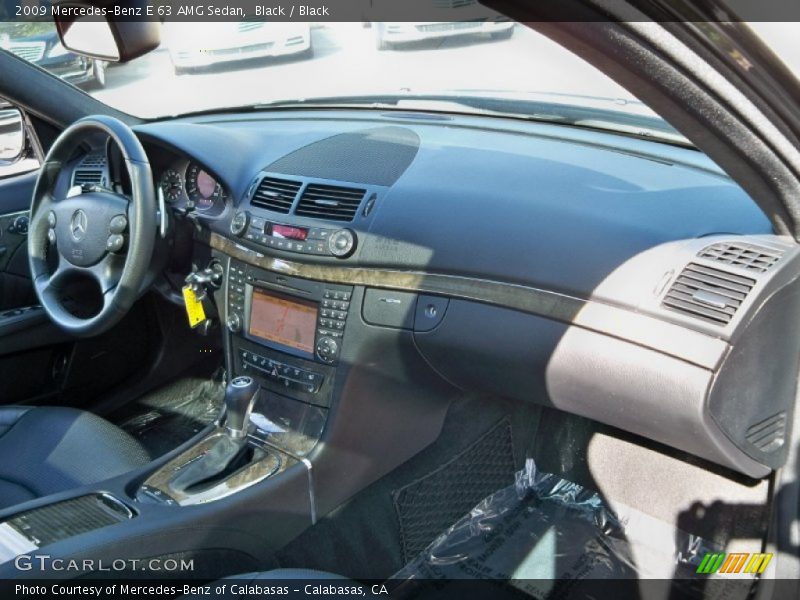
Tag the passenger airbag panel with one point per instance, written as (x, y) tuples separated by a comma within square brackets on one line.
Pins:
[(600, 377)]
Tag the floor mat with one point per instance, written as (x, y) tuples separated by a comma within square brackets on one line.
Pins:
[(364, 538), (436, 501), (546, 537), (169, 416)]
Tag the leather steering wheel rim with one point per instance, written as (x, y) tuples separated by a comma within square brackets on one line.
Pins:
[(77, 237)]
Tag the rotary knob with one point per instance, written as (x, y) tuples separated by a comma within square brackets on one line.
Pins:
[(327, 350), (234, 323), (342, 243), (239, 223)]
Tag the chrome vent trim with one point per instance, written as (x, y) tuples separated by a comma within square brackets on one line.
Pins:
[(277, 195), (711, 295), (330, 202), (749, 257)]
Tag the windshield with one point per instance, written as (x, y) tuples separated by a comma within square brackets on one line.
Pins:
[(493, 67)]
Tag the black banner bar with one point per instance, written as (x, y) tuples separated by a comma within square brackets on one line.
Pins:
[(323, 11), (414, 589)]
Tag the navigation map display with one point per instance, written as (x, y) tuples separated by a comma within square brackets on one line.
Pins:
[(283, 320)]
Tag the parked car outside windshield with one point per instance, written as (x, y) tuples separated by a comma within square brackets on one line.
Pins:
[(222, 65), (484, 67)]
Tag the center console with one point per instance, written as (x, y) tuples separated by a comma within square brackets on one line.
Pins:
[(287, 334), (284, 341)]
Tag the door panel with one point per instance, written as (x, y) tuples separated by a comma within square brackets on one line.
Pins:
[(15, 283), (15, 197)]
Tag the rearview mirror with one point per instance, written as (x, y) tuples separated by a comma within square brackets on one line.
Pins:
[(90, 37), (12, 138), (83, 30)]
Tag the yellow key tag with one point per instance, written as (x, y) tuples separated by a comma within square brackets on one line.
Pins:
[(194, 308)]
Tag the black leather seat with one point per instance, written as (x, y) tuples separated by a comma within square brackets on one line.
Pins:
[(44, 450)]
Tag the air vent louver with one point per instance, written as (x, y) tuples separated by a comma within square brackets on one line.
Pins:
[(90, 170), (711, 295), (330, 202), (744, 256), (276, 194), (87, 176)]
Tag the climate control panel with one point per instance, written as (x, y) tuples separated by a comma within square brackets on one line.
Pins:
[(316, 241), (289, 376)]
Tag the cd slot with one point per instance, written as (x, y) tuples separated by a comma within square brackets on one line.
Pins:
[(272, 284)]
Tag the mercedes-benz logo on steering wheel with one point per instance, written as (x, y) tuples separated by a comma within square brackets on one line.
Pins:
[(77, 225)]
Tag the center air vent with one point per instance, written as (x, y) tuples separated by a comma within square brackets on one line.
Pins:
[(330, 202), (708, 294), (276, 194), (744, 256)]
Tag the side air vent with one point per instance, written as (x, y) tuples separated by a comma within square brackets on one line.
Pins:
[(87, 176), (276, 194), (90, 170), (330, 202), (708, 294), (745, 256)]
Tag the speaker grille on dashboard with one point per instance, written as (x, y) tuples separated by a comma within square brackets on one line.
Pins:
[(377, 156)]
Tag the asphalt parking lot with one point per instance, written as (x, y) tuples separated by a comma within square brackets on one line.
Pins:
[(346, 61)]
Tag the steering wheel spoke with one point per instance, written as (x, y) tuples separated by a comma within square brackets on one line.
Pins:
[(107, 272), (52, 285)]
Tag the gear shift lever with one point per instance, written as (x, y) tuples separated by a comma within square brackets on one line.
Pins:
[(228, 451), (239, 397)]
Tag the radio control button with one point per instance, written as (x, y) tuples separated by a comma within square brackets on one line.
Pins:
[(342, 243), (327, 350), (234, 323)]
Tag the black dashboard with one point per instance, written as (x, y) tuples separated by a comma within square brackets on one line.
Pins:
[(629, 281)]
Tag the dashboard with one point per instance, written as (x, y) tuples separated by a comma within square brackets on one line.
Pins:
[(624, 280)]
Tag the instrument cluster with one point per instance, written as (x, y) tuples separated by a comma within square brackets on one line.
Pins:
[(187, 185)]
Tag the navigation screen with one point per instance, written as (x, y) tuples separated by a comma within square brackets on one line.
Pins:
[(283, 320)]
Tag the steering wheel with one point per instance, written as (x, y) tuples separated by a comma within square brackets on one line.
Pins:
[(77, 230)]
